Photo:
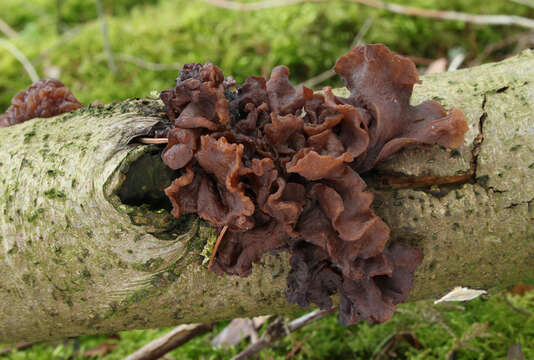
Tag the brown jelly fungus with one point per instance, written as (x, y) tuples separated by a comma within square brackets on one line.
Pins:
[(279, 166), (44, 98)]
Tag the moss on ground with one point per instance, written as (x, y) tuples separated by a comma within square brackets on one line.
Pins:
[(489, 327), (65, 41)]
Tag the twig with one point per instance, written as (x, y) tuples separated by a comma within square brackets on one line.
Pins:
[(168, 342), (278, 330), (294, 351), (395, 8), (258, 5), (316, 80), (529, 35), (476, 330), (21, 58), (19, 346), (145, 140), (429, 314), (529, 3), (309, 318), (105, 36), (141, 62), (7, 30), (217, 243), (386, 343), (147, 64)]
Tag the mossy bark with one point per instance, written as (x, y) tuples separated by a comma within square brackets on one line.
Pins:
[(75, 260)]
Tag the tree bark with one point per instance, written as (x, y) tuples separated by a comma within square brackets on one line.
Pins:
[(76, 259)]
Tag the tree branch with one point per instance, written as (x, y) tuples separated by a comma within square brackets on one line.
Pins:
[(168, 342), (84, 255)]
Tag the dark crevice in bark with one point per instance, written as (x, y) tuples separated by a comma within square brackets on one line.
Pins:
[(142, 193), (145, 182), (387, 181), (478, 140), (513, 205), (503, 89)]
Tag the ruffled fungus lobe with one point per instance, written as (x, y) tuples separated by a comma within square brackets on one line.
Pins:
[(280, 168), (44, 98)]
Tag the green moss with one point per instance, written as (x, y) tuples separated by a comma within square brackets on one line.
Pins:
[(149, 266), (55, 194), (86, 274), (135, 297), (515, 147), (32, 216), (28, 136), (483, 181), (54, 172), (13, 249), (29, 279)]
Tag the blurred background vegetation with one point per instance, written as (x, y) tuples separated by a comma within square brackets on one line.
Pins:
[(149, 40)]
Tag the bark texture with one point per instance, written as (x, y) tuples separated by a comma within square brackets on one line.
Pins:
[(75, 260)]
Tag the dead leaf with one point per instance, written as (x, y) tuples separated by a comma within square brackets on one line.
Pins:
[(258, 321), (100, 350), (387, 349), (235, 332), (294, 351), (461, 294), (19, 346), (520, 289)]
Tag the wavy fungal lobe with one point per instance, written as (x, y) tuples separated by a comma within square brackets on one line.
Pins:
[(279, 166)]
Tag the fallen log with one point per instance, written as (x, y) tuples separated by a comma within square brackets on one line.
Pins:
[(86, 247)]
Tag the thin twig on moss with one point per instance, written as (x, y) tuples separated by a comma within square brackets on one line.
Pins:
[(527, 37), (529, 3), (170, 341), (21, 58), (148, 64), (7, 30), (105, 36), (498, 19), (278, 330)]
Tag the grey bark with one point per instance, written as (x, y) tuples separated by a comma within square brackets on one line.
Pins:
[(75, 260)]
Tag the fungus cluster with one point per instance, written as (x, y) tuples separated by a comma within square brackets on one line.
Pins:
[(279, 166), (44, 98)]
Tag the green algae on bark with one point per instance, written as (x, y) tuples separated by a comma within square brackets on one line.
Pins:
[(81, 260)]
